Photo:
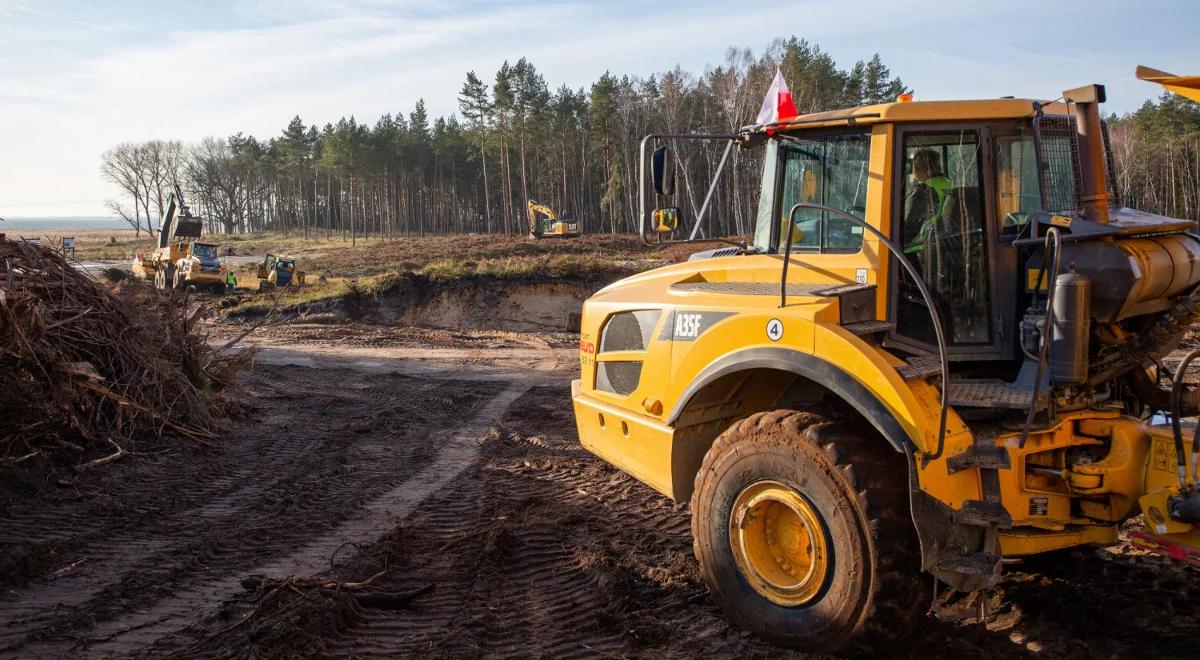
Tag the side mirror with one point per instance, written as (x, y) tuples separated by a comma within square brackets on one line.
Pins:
[(662, 171), (666, 220)]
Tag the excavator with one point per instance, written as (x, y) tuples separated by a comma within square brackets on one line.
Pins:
[(180, 260), (945, 347), (545, 223)]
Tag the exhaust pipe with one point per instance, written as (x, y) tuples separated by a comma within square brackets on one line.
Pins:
[(1093, 197)]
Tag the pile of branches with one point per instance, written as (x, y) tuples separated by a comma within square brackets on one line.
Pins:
[(89, 371)]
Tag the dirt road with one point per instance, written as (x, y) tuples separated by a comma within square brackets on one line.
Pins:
[(450, 460)]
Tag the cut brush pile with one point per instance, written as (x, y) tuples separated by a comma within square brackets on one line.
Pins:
[(89, 371)]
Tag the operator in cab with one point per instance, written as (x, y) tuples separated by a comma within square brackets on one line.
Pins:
[(924, 203)]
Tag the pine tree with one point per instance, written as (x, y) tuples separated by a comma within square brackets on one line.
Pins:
[(474, 104)]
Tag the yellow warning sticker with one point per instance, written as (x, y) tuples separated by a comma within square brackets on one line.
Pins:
[(1162, 455)]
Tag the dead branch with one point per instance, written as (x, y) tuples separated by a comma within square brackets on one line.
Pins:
[(106, 459)]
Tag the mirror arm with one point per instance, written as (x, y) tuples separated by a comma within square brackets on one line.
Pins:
[(712, 188)]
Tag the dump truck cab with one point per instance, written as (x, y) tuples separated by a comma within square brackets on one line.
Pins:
[(198, 265), (937, 351)]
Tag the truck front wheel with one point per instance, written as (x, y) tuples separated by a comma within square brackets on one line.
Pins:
[(803, 534)]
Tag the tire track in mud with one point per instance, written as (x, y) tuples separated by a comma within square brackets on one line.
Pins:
[(253, 503), (369, 523), (541, 549)]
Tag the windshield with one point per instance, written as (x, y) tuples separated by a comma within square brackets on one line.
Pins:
[(204, 251), (830, 170)]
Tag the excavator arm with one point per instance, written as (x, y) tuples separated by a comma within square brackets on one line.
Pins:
[(536, 209), (177, 220)]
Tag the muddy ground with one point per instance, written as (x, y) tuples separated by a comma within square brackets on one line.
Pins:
[(442, 469)]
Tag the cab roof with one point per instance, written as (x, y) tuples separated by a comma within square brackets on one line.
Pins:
[(917, 111)]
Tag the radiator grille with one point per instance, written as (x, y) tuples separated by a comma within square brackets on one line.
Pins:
[(629, 331), (618, 377)]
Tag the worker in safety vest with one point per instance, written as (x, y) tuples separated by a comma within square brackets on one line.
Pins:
[(924, 204), (230, 282)]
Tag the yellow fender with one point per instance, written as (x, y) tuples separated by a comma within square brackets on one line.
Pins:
[(905, 413)]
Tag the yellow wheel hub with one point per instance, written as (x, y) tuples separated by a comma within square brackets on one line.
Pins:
[(778, 541)]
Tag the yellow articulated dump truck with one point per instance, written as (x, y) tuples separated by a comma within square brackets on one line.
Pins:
[(180, 260), (944, 347)]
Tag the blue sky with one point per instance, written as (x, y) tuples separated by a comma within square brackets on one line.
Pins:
[(79, 77)]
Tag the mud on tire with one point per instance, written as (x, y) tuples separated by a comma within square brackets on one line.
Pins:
[(872, 590)]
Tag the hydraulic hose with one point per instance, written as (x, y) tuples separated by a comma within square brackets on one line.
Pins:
[(1053, 239), (925, 294), (1176, 431)]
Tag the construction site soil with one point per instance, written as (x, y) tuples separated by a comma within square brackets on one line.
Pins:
[(396, 492)]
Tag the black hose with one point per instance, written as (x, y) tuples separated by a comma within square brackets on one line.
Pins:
[(1176, 431), (1047, 324), (912, 272)]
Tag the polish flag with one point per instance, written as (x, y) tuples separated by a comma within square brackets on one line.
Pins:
[(778, 104)]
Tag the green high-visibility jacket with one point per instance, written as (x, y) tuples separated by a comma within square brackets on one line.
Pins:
[(231, 278), (941, 187)]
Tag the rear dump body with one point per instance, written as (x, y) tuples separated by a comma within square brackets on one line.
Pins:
[(672, 357)]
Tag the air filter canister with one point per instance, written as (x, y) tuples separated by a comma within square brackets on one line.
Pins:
[(1072, 325)]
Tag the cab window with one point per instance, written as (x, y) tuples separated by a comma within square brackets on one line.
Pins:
[(942, 233), (832, 171), (1017, 185)]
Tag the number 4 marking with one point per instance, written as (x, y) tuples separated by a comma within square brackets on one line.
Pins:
[(774, 329)]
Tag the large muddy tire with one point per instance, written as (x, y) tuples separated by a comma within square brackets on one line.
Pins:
[(803, 534)]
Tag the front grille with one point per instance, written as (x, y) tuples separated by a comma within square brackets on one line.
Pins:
[(629, 331), (618, 377)]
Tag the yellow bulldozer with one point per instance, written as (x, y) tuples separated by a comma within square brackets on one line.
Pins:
[(545, 223), (942, 349)]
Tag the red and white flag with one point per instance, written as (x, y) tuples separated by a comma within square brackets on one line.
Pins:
[(778, 104)]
